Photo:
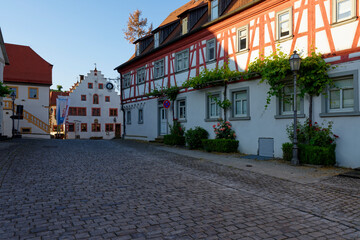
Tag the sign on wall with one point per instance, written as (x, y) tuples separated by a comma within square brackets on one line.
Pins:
[(166, 104)]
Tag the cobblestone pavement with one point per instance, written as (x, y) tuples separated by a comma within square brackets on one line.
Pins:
[(82, 189)]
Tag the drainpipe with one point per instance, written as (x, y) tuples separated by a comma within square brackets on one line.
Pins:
[(225, 109), (122, 106)]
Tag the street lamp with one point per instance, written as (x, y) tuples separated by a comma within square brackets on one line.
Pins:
[(295, 61), (13, 96)]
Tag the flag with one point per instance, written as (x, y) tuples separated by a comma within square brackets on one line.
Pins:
[(62, 108)]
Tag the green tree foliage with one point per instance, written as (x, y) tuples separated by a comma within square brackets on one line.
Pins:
[(4, 90)]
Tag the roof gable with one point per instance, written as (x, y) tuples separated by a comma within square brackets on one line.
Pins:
[(4, 55), (26, 66)]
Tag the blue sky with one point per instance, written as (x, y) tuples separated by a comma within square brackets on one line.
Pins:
[(74, 34)]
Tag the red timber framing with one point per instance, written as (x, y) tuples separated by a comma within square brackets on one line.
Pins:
[(261, 22)]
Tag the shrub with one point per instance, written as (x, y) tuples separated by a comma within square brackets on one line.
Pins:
[(316, 155), (176, 128), (220, 145), (174, 140), (193, 137), (309, 154), (287, 151), (223, 130)]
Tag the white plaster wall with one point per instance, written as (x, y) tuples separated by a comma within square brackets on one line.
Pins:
[(75, 101), (2, 65), (37, 107)]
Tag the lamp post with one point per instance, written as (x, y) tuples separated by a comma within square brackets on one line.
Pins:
[(295, 62), (13, 96)]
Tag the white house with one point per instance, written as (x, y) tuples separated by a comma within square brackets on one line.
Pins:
[(30, 77), (205, 33), (4, 60), (94, 110)]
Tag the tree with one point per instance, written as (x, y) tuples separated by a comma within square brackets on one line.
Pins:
[(136, 27), (4, 90), (59, 87)]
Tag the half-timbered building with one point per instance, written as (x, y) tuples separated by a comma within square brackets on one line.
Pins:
[(205, 33)]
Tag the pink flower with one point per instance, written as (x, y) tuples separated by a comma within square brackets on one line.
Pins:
[(316, 123), (214, 126), (218, 124)]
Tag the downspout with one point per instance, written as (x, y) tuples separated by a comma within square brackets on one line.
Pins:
[(225, 109), (122, 106)]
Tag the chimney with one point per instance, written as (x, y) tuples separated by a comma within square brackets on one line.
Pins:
[(81, 77)]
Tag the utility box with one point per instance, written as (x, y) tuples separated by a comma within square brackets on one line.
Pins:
[(266, 147)]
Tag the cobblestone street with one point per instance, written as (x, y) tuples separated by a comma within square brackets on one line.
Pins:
[(83, 189)]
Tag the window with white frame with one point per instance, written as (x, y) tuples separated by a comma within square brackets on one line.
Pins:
[(240, 104), (287, 106), (214, 9), (242, 39), (213, 107), (284, 24), (126, 80), (181, 109), (182, 60), (156, 40), (159, 68), (140, 75), (341, 96), (141, 116), (343, 10), (137, 49), (184, 26), (211, 49), (128, 117)]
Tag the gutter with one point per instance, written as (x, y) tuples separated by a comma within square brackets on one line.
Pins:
[(206, 25)]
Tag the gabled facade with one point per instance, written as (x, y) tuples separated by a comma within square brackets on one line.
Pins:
[(30, 76), (94, 109), (239, 32)]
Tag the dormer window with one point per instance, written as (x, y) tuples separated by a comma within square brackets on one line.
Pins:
[(214, 9), (156, 40), (137, 49), (184, 26)]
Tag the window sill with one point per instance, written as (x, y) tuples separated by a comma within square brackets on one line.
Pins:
[(211, 61), (211, 119), (239, 118), (140, 122), (340, 114), (242, 51), (180, 71), (336, 24), (157, 78), (284, 39), (182, 120), (288, 116)]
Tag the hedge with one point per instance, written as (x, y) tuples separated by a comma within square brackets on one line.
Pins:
[(220, 145), (193, 137), (309, 154), (174, 140)]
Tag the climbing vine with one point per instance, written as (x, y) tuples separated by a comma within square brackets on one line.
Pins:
[(171, 92)]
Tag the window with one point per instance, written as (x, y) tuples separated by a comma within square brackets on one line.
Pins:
[(287, 106), (137, 49), (159, 68), (96, 99), (141, 75), (184, 26), (109, 127), (128, 117), (13, 89), (107, 98), (156, 40), (240, 104), (83, 97), (212, 107), (33, 93), (113, 112), (101, 86), (77, 111), (95, 112), (343, 10), (211, 50), (214, 9), (341, 96), (84, 127), (25, 130), (126, 80), (90, 85), (71, 127), (182, 60), (284, 24), (95, 127), (141, 116), (181, 109), (242, 37)]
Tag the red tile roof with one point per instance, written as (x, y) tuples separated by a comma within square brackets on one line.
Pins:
[(54, 95), (26, 66), (174, 15)]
